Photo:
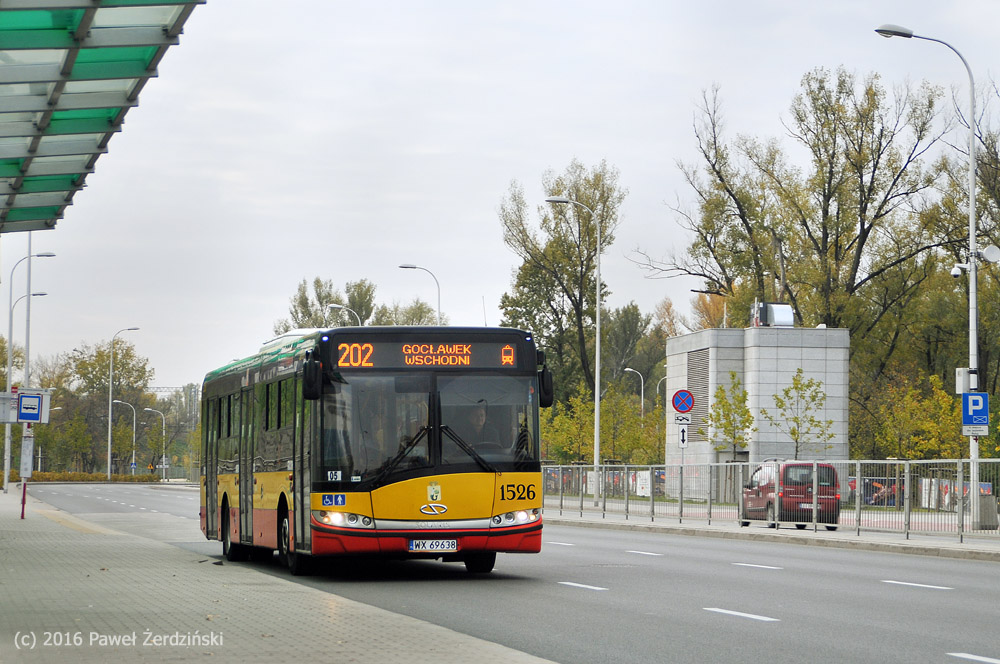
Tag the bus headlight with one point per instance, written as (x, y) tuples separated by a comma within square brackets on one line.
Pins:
[(343, 519), (517, 518)]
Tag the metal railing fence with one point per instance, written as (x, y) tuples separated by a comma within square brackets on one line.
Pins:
[(927, 497)]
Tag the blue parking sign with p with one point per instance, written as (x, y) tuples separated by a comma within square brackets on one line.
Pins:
[(975, 408)]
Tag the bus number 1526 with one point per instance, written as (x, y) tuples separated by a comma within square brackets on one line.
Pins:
[(517, 492)]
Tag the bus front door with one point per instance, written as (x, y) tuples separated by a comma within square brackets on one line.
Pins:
[(302, 477), (246, 465), (209, 477)]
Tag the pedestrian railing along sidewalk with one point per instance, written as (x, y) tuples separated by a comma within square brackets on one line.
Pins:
[(925, 497)]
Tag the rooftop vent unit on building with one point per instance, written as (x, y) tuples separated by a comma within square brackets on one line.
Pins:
[(773, 314)]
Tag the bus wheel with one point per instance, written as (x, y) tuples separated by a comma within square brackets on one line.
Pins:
[(480, 563), (232, 552), (297, 563)]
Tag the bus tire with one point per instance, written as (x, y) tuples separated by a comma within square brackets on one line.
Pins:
[(232, 552), (480, 563), (298, 563)]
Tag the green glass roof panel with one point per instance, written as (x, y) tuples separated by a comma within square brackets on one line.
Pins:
[(47, 183), (87, 114), (42, 19), (32, 214), (143, 54), (10, 168)]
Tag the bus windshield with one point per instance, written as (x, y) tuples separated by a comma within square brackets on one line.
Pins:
[(379, 425), (490, 414)]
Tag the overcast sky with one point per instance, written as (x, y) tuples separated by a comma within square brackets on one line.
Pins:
[(285, 141)]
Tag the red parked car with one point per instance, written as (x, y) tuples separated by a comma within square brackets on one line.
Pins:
[(793, 499)]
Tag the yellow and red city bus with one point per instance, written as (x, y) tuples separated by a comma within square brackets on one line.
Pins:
[(405, 442)]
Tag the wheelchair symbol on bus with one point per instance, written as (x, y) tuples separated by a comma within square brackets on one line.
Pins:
[(334, 499)]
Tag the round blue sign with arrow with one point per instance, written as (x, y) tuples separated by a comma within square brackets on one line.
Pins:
[(683, 401)]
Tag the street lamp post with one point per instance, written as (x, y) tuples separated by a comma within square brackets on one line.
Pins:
[(163, 457), (340, 306), (562, 200), (10, 382), (111, 376), (888, 30), (410, 266), (642, 392), (125, 403)]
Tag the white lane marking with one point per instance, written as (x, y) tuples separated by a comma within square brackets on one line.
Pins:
[(580, 585), (916, 585), (560, 544), (974, 658), (757, 566), (644, 553), (739, 614)]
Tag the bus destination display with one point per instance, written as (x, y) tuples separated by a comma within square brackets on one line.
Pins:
[(415, 355)]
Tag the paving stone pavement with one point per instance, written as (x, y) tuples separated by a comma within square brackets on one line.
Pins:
[(74, 591)]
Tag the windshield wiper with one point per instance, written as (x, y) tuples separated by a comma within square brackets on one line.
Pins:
[(395, 461), (486, 465)]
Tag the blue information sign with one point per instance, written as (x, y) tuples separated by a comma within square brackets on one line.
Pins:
[(29, 407)]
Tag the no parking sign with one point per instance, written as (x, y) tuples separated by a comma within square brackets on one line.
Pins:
[(683, 401)]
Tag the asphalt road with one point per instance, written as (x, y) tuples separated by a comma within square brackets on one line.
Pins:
[(610, 596)]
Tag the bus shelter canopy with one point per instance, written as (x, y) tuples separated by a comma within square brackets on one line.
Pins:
[(69, 72)]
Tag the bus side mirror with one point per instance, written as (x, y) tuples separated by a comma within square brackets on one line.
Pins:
[(312, 380), (546, 393)]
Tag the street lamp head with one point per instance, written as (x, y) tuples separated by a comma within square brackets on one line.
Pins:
[(408, 266), (45, 254), (630, 369), (557, 199), (888, 30), (117, 401)]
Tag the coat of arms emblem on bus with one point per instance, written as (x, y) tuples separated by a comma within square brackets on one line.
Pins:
[(434, 492)]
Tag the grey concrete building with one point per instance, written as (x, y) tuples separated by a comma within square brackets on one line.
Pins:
[(765, 358)]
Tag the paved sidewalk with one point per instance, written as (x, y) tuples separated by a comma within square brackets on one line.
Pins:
[(72, 591), (947, 546)]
